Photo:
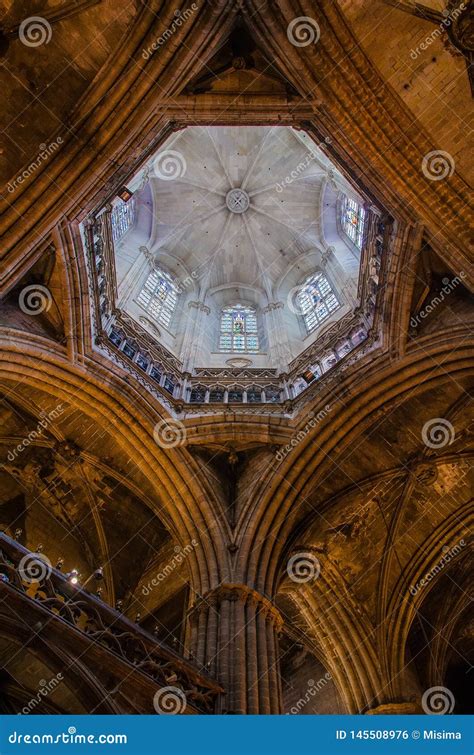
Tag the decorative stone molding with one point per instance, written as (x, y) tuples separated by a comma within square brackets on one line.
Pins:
[(336, 330), (199, 305), (150, 258), (327, 256), (425, 474), (143, 338), (272, 306), (242, 593), (460, 29), (239, 362), (149, 324), (236, 373)]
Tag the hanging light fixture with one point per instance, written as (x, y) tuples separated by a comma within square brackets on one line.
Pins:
[(73, 577)]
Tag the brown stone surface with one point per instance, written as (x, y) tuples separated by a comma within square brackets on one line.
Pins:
[(379, 515)]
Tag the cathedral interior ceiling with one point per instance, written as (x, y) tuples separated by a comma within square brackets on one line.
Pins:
[(369, 472)]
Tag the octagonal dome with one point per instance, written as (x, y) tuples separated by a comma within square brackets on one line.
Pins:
[(235, 216)]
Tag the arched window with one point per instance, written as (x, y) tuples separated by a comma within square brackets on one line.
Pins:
[(316, 300), (158, 296), (123, 216), (353, 218), (238, 329)]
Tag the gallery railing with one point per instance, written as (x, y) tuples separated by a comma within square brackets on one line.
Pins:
[(130, 345), (32, 575)]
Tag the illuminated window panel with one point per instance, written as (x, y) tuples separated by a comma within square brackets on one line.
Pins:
[(317, 301), (158, 296), (238, 331), (272, 394), (254, 395), (123, 217), (235, 396), (353, 219), (216, 395)]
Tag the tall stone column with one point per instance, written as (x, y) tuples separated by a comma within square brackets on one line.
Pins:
[(193, 335), (234, 636), (278, 342), (136, 275)]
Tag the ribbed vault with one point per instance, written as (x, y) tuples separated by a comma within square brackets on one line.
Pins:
[(345, 474)]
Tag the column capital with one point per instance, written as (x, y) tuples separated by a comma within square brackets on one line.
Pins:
[(272, 306), (327, 255), (200, 306), (150, 258), (239, 592)]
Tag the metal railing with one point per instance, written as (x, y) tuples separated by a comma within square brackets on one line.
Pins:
[(32, 575)]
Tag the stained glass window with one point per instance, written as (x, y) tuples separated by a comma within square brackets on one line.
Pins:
[(158, 296), (198, 395), (353, 218), (123, 216), (316, 300), (238, 329), (216, 395)]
